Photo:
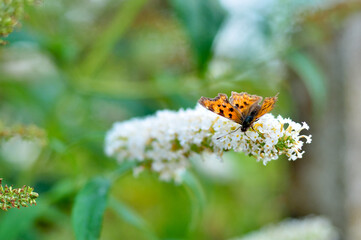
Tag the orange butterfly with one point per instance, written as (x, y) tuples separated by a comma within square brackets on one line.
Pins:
[(241, 108)]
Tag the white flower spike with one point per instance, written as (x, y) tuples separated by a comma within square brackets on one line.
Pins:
[(164, 142), (310, 228)]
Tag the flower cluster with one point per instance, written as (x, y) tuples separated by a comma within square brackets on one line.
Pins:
[(165, 142), (30, 132), (11, 11), (310, 228), (17, 197), (269, 138)]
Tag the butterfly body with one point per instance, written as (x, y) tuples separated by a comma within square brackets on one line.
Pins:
[(241, 108), (247, 123)]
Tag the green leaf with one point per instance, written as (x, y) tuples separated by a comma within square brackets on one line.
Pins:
[(312, 76), (131, 217), (89, 209), (201, 20)]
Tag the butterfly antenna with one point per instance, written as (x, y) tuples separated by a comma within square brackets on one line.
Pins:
[(228, 133)]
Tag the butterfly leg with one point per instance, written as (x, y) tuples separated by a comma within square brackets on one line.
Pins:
[(245, 133), (229, 132)]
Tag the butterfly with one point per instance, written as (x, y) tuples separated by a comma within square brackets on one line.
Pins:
[(241, 108)]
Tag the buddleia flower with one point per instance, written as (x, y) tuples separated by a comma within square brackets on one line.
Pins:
[(11, 12), (166, 141), (310, 228), (16, 197)]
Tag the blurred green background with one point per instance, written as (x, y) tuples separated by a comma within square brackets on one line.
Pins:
[(73, 68)]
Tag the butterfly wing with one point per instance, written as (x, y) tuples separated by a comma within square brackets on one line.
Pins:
[(267, 106), (221, 106), (244, 102)]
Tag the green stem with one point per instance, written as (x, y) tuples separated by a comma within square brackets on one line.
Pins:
[(130, 216), (125, 167), (103, 46)]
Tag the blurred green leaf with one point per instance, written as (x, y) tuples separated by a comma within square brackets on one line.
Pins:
[(105, 41), (16, 222), (197, 199), (312, 76), (131, 217), (201, 19), (89, 209), (63, 189)]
